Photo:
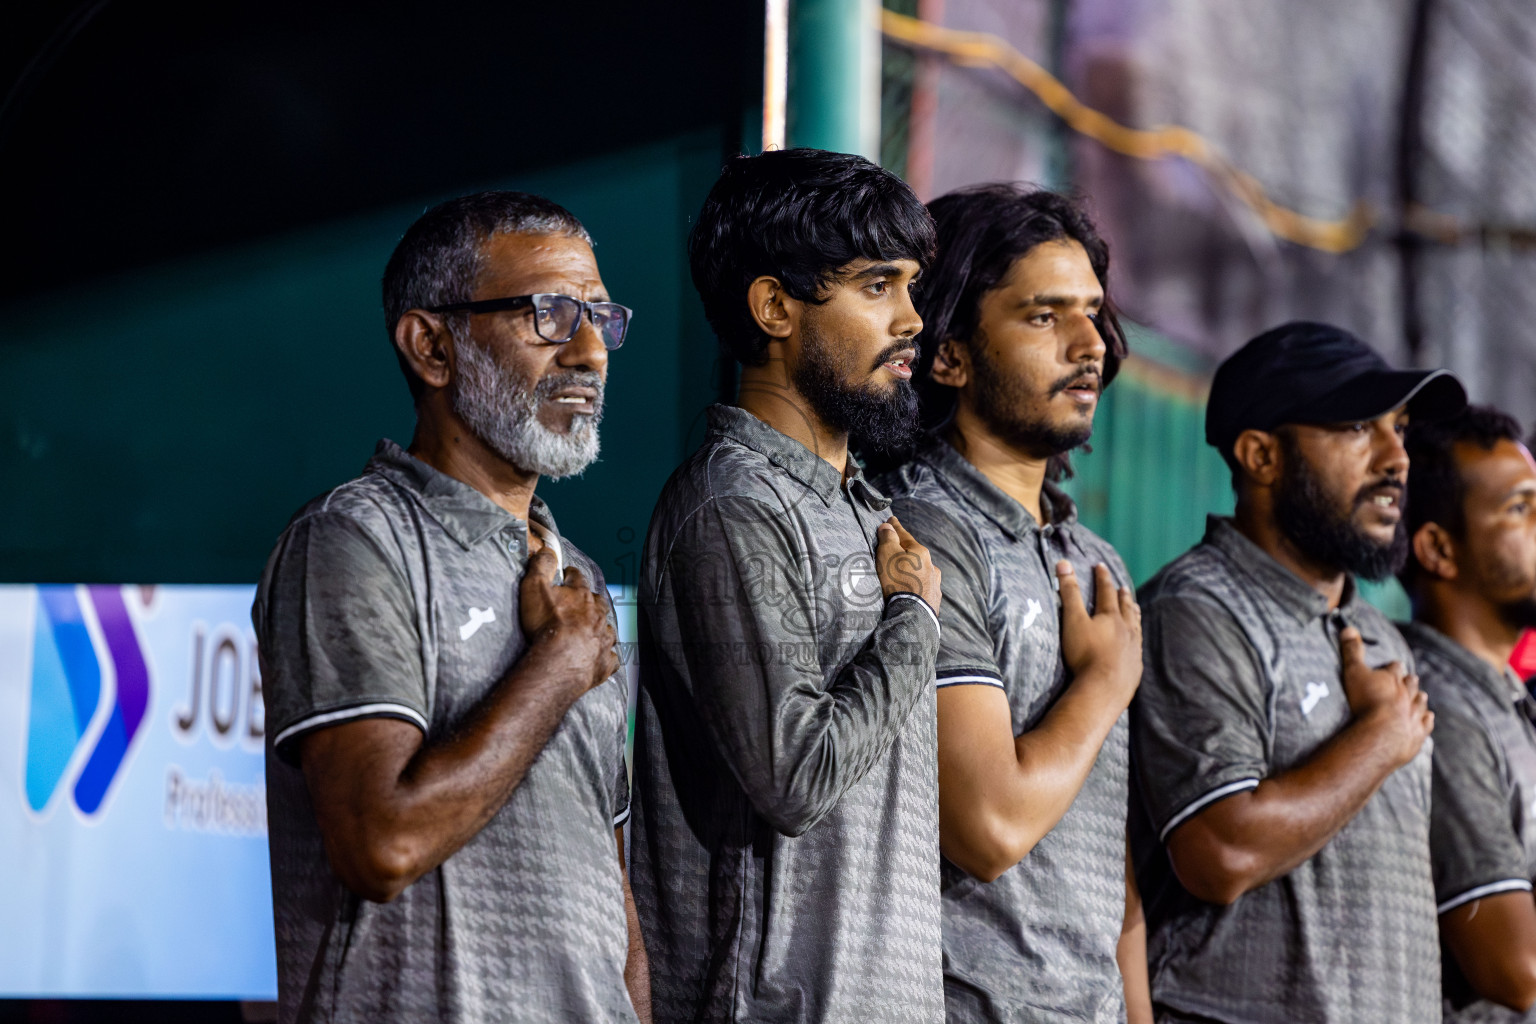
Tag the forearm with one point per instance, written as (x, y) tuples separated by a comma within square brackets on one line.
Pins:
[(1055, 757), (1131, 953), (637, 967), (1249, 839), (1000, 794), (799, 753), (398, 823)]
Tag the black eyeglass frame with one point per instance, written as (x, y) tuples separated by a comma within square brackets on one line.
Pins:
[(520, 301)]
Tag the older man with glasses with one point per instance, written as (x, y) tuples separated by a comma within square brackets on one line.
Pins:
[(446, 778)]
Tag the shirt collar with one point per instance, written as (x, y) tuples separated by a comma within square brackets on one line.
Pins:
[(464, 513), (1283, 587), (792, 457), (1505, 686), (987, 498)]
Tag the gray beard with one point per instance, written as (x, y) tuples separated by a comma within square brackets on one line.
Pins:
[(502, 411)]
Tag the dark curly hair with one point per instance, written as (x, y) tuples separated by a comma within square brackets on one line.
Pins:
[(799, 215)]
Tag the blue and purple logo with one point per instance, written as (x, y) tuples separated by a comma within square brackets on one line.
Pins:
[(69, 685)]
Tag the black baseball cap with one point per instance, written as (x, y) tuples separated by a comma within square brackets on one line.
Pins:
[(1304, 372)]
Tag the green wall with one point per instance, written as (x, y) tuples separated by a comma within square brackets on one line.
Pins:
[(162, 426)]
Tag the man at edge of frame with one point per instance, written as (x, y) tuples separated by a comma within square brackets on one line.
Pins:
[(1471, 576), (445, 720)]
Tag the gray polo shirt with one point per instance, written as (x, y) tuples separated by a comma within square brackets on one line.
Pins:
[(1483, 830), (1038, 943), (1243, 680), (396, 595), (785, 855)]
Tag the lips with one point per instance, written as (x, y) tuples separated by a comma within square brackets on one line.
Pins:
[(579, 393), (900, 363), (574, 396)]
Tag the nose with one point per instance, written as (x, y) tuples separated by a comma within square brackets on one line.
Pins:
[(585, 350), (907, 323), (1389, 455), (1084, 342)]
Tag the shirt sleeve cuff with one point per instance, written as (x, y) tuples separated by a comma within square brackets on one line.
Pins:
[(335, 716), (967, 677), (1202, 802), (907, 595), (1477, 893)]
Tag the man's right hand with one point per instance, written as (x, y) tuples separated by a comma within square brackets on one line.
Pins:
[(903, 565), (569, 622), (1108, 642), (1388, 696)]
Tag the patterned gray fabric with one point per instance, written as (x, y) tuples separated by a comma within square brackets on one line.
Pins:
[(1038, 943), (1243, 680), (1483, 828), (396, 595), (785, 842)]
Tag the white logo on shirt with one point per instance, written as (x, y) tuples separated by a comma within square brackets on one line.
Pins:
[(477, 618), (1315, 693), (1030, 614)]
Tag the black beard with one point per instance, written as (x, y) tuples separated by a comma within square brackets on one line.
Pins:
[(1307, 516), (873, 421), (1519, 614), (1001, 402)]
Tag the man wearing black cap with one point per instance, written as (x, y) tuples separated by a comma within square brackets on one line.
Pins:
[(1472, 578), (1282, 835)]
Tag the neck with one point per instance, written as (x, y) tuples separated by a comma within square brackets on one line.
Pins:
[(444, 443), (1254, 520), (1015, 472), (766, 392), (1469, 620)]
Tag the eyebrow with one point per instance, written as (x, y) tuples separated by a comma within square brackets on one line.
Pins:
[(878, 270), (1058, 300)]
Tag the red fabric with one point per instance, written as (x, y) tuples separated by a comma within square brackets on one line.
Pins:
[(1523, 658)]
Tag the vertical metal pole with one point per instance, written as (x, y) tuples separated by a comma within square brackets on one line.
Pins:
[(775, 71), (1410, 153), (834, 75)]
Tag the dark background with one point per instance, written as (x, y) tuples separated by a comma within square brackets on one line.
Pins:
[(200, 203)]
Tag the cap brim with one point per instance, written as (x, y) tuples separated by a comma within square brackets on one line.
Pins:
[(1428, 394)]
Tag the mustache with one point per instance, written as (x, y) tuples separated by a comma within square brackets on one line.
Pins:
[(1094, 377), (559, 380), (1387, 485), (890, 350)]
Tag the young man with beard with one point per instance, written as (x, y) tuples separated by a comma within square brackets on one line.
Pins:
[(785, 851), (1472, 577), (1033, 687), (445, 765), (1282, 835)]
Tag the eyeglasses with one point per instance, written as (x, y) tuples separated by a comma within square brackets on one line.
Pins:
[(556, 317)]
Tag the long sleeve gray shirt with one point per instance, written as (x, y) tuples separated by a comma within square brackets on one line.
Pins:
[(785, 854)]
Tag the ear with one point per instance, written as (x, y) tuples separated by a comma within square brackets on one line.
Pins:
[(951, 364), (1435, 551), (425, 342), (775, 312), (1258, 452)]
